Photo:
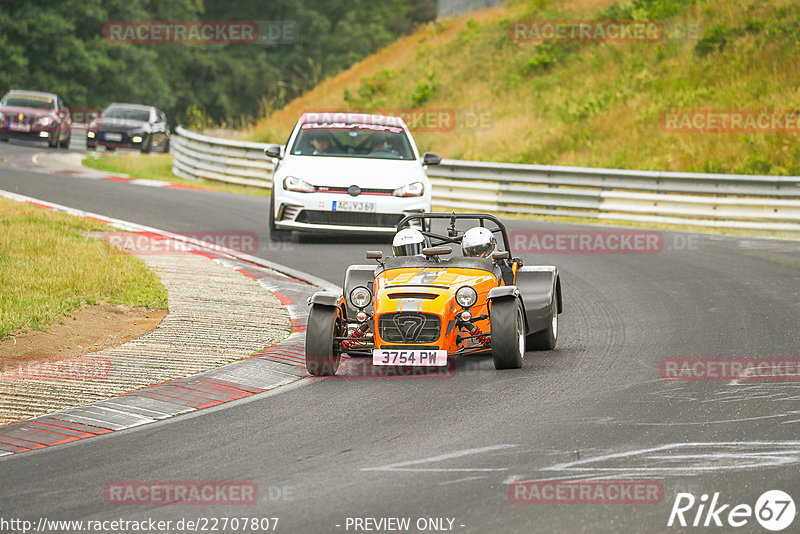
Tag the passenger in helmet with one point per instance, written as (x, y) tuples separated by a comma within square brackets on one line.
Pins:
[(478, 242), (408, 242)]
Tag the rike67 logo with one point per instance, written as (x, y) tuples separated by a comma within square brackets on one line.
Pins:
[(774, 510)]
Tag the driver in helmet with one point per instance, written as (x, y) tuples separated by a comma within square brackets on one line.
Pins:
[(479, 242), (408, 242)]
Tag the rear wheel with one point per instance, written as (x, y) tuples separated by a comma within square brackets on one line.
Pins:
[(508, 333), (324, 322), (545, 339)]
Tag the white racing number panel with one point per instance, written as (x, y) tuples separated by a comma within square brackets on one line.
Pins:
[(415, 358)]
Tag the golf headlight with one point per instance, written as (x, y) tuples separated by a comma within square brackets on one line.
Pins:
[(360, 297), (45, 121), (415, 189), (293, 183), (466, 296)]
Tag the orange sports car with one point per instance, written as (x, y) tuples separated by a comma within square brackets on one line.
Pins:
[(450, 288)]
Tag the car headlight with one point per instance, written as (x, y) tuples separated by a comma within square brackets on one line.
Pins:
[(360, 297), (415, 189), (466, 296), (90, 135), (45, 121), (136, 139), (293, 183)]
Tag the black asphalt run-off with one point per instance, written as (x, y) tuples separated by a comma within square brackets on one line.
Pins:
[(594, 408)]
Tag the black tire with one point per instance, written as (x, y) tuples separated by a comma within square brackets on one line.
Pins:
[(165, 150), (324, 322), (508, 333), (148, 146), (66, 142), (275, 234), (54, 141), (545, 339)]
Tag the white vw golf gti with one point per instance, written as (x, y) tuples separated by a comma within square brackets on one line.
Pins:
[(346, 173)]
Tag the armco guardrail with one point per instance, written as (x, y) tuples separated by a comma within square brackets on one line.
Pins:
[(224, 160), (711, 200)]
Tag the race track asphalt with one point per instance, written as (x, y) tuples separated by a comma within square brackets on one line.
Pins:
[(595, 408)]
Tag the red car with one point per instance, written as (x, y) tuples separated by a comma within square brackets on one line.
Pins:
[(35, 116)]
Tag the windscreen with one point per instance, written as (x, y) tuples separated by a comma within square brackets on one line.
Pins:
[(353, 140), (29, 101), (142, 115)]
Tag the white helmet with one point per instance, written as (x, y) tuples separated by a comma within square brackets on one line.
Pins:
[(408, 242), (478, 242)]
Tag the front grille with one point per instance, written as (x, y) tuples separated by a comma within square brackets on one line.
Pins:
[(409, 327), (345, 191), (423, 296), (348, 218)]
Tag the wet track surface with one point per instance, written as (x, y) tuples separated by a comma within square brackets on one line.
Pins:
[(595, 408)]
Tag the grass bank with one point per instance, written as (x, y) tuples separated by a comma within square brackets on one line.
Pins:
[(595, 104), (49, 267)]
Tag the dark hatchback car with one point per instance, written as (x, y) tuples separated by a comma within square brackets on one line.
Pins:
[(129, 126), (34, 116)]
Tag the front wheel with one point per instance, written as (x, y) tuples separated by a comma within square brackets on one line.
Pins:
[(275, 234), (147, 147), (66, 142), (324, 323), (508, 333)]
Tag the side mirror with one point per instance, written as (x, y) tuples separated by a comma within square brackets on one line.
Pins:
[(436, 251), (431, 159), (374, 254), (273, 151), (504, 255)]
